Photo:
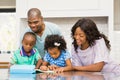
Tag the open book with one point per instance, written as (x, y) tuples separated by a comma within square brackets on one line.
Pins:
[(48, 71)]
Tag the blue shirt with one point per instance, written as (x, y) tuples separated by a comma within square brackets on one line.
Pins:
[(60, 61)]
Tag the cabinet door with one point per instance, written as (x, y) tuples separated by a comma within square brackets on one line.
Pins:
[(65, 8), (64, 4)]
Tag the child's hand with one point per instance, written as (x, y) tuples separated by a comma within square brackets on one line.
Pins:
[(44, 68), (59, 70), (53, 67)]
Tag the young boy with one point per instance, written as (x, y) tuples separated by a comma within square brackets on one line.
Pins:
[(27, 54)]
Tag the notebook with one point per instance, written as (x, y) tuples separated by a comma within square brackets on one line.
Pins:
[(22, 69)]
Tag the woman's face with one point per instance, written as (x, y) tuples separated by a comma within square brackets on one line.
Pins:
[(80, 37), (54, 52)]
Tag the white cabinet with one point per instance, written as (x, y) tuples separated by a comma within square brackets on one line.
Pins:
[(66, 8)]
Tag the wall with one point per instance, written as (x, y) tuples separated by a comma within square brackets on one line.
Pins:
[(8, 32), (117, 15), (8, 35), (116, 39)]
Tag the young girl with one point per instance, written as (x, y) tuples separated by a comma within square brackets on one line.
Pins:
[(56, 56), (90, 50), (27, 54)]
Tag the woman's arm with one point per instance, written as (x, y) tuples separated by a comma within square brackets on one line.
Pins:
[(97, 67)]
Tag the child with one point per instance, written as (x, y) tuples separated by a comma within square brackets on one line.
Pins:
[(27, 54), (90, 50), (56, 56)]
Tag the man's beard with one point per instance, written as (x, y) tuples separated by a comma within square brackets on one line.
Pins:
[(39, 29)]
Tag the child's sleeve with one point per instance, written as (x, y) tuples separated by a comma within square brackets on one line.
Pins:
[(46, 57), (37, 55), (67, 55)]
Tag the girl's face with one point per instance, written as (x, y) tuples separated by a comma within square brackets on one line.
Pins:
[(54, 52), (80, 37), (28, 43)]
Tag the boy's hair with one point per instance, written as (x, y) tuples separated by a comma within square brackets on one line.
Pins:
[(52, 41), (90, 29), (30, 34)]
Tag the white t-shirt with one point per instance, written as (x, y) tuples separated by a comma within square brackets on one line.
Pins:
[(97, 53)]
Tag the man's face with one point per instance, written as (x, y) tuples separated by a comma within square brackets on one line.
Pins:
[(35, 23)]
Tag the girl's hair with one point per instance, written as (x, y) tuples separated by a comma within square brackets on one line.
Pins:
[(91, 31), (30, 34), (52, 41)]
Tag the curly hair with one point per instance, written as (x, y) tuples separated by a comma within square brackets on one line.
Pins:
[(55, 40), (91, 31)]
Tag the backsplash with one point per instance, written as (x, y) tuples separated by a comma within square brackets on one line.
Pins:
[(8, 32)]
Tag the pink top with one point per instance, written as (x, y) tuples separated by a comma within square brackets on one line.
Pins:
[(97, 53)]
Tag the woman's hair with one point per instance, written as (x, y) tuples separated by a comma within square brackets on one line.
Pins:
[(52, 41), (91, 31), (30, 34)]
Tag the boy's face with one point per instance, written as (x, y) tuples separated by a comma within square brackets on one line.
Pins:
[(54, 52), (28, 43)]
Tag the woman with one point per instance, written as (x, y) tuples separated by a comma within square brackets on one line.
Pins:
[(90, 49)]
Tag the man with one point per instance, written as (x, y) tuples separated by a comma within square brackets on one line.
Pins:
[(40, 28)]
